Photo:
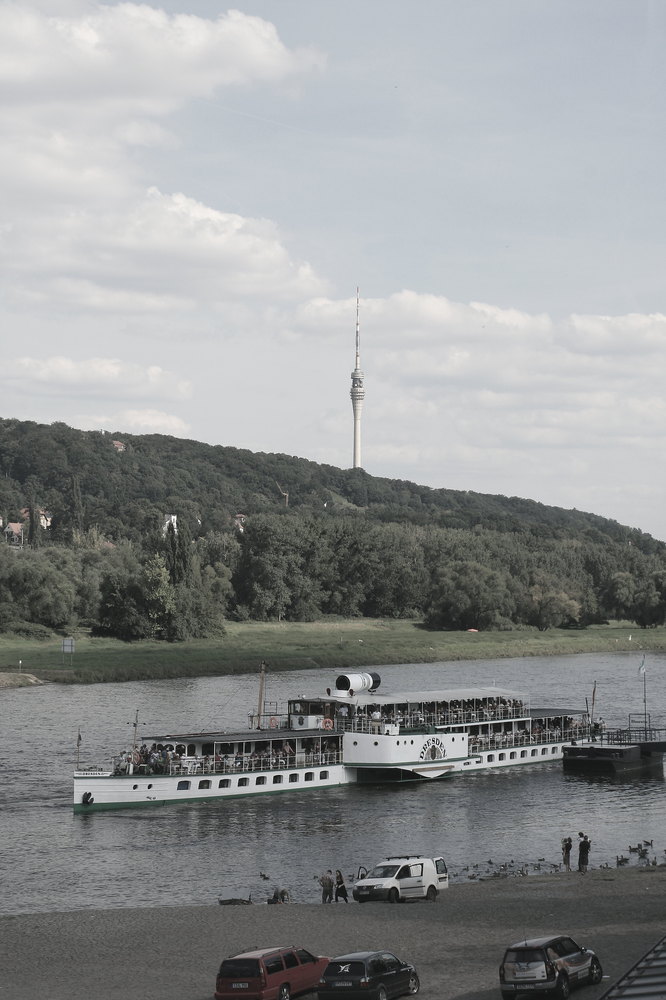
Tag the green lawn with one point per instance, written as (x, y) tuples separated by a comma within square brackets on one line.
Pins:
[(297, 646)]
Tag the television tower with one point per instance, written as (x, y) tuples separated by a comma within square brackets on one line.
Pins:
[(357, 394)]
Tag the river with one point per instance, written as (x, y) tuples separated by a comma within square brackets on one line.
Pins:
[(196, 853)]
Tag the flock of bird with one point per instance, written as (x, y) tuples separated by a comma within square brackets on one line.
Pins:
[(513, 869)]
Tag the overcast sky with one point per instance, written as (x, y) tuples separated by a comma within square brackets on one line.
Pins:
[(190, 194)]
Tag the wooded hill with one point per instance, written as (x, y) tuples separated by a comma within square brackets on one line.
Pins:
[(277, 537)]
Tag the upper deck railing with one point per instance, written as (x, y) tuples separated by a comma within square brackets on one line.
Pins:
[(234, 764)]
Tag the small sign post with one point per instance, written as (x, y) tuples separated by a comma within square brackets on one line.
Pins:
[(68, 647)]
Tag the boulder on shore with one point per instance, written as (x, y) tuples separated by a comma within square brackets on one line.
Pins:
[(18, 680)]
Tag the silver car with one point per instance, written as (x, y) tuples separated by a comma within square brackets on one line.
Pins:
[(552, 965)]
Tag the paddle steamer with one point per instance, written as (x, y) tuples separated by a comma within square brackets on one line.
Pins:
[(352, 733)]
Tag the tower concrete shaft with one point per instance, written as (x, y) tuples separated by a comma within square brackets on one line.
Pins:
[(357, 392)]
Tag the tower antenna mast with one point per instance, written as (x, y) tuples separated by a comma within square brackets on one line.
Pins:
[(357, 391)]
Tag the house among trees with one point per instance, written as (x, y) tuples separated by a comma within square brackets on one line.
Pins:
[(42, 515), (14, 533), (239, 522), (118, 445), (170, 519)]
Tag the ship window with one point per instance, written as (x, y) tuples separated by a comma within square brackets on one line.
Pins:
[(277, 779), (523, 753), (208, 749), (261, 780), (223, 783), (375, 744), (191, 750), (205, 783), (323, 775), (183, 786), (355, 743), (553, 749), (502, 756), (293, 778), (544, 750), (243, 781), (491, 757), (309, 775), (150, 786), (513, 755), (135, 787), (534, 753)]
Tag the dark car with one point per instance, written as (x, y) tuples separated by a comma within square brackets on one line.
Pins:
[(367, 975), (552, 965), (269, 974)]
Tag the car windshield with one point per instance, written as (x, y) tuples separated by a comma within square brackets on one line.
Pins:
[(525, 956), (340, 970), (383, 871), (240, 968)]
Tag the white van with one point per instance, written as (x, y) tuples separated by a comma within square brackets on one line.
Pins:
[(404, 877)]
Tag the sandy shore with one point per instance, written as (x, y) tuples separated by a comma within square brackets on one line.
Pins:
[(172, 953)]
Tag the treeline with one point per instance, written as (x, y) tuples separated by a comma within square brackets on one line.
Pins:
[(272, 537)]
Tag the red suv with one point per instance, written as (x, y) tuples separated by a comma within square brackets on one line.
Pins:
[(269, 974)]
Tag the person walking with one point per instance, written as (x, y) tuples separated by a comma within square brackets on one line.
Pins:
[(567, 844), (584, 853), (340, 887), (326, 883)]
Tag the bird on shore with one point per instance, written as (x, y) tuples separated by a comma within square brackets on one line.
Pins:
[(265, 876)]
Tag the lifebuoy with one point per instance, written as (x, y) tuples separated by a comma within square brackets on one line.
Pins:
[(327, 724), (273, 722), (87, 799)]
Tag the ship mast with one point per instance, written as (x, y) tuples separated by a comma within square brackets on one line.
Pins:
[(262, 685)]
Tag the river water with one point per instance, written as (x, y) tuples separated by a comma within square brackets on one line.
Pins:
[(192, 854)]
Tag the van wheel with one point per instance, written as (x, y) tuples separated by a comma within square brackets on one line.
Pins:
[(563, 989), (283, 992), (393, 897), (431, 894)]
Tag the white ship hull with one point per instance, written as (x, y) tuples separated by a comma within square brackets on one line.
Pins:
[(96, 790), (349, 735)]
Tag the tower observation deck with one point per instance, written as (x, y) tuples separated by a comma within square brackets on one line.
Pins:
[(357, 392)]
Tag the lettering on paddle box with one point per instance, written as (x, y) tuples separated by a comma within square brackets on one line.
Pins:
[(433, 749)]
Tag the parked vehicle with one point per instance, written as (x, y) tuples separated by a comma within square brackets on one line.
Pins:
[(551, 965), (269, 974), (367, 975), (403, 877)]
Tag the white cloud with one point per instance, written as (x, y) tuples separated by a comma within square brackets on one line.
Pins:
[(141, 421), (138, 55), (95, 376)]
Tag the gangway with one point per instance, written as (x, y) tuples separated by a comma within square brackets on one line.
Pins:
[(648, 738)]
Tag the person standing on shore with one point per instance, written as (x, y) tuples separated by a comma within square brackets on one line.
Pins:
[(566, 853), (340, 887), (326, 883), (583, 853)]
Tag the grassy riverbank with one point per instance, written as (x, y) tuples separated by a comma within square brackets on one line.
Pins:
[(336, 645)]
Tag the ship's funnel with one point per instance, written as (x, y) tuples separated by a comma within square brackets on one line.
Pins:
[(358, 682)]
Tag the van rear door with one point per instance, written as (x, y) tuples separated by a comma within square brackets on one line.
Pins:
[(442, 873)]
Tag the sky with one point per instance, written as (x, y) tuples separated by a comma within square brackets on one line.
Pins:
[(190, 195)]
